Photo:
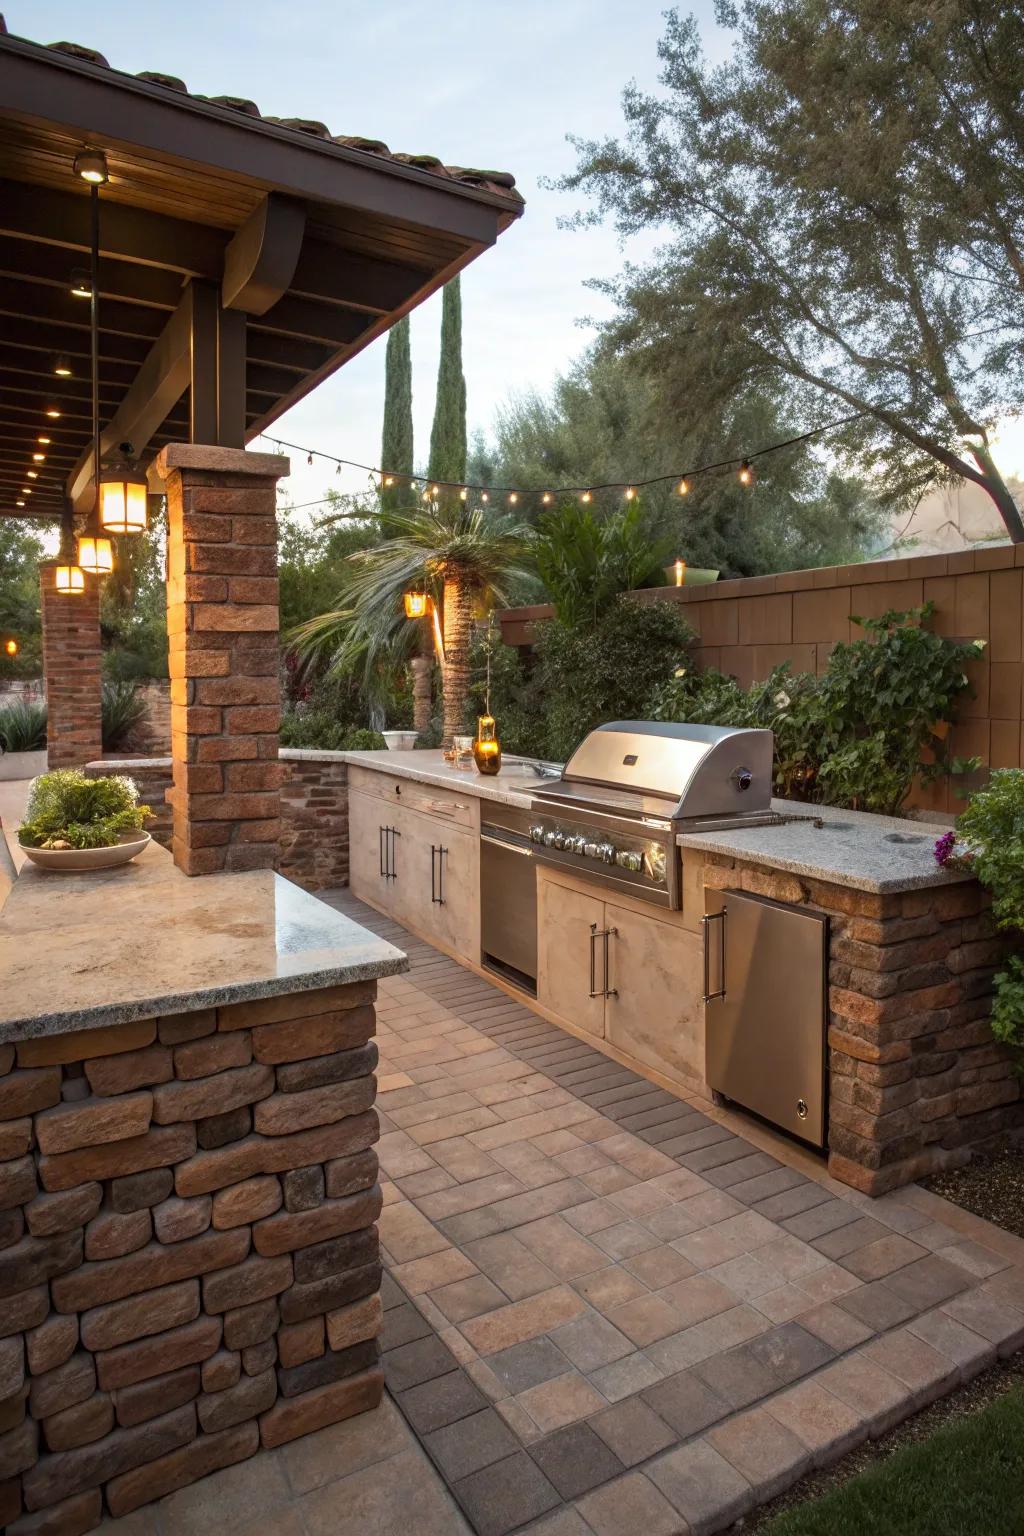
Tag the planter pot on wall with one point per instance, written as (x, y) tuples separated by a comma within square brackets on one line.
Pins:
[(400, 741), (22, 765)]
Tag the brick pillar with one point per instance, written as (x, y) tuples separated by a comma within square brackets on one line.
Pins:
[(71, 670), (222, 625)]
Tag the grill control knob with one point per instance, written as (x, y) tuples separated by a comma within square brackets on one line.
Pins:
[(536, 833), (606, 853)]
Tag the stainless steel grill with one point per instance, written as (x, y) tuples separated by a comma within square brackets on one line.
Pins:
[(633, 785)]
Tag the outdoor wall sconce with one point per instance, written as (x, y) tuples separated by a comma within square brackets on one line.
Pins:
[(95, 554), (69, 579), (416, 605), (123, 493)]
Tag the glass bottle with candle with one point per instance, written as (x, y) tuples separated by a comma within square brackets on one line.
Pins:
[(487, 747)]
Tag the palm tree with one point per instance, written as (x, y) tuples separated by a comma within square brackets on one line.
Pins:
[(463, 556)]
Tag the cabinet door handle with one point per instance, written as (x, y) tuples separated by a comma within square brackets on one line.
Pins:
[(437, 880), (606, 935), (594, 992), (381, 844), (393, 832), (706, 921)]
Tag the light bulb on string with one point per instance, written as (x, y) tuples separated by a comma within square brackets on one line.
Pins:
[(463, 494), (684, 487), (309, 458), (546, 498), (586, 497), (484, 496), (513, 498), (630, 493), (746, 473)]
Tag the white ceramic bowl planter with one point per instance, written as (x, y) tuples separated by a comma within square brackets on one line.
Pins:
[(400, 741)]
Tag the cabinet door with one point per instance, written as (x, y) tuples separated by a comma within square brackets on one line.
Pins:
[(375, 857), (654, 1008), (569, 954), (441, 883)]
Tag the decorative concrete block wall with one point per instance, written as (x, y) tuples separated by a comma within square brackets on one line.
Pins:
[(189, 1265), (747, 627), (71, 664), (915, 1076)]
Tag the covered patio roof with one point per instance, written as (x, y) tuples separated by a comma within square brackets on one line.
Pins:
[(243, 259)]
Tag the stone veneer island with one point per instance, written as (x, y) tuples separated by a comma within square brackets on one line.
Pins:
[(189, 1266)]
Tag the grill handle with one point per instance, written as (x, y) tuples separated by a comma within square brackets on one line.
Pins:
[(706, 921)]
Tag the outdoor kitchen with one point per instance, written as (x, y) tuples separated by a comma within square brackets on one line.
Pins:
[(808, 965)]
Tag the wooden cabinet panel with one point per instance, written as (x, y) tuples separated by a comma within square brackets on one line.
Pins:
[(369, 858), (656, 1012), (407, 794), (565, 919), (441, 883)]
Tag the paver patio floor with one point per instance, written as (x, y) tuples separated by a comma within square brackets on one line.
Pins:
[(608, 1307)]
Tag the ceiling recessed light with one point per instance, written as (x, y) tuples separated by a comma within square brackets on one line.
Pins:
[(52, 412), (44, 439), (39, 458), (81, 284), (62, 368), (33, 474)]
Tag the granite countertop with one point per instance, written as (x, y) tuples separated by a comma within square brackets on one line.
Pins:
[(84, 950), (883, 854), (514, 785)]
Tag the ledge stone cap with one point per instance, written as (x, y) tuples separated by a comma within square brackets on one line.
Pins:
[(227, 461)]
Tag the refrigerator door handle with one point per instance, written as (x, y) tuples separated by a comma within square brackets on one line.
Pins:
[(706, 921)]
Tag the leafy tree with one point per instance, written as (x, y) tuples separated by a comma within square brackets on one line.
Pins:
[(133, 606), (448, 433), (20, 553), (312, 556), (608, 419), (466, 558), (844, 208), (396, 448)]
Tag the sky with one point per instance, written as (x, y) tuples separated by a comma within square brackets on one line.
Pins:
[(495, 83)]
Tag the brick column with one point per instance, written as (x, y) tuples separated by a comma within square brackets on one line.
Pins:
[(222, 624), (71, 670)]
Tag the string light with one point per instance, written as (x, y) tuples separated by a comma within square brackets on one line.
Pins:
[(682, 486)]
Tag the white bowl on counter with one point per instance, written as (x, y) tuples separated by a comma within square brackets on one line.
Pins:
[(400, 741), (67, 860)]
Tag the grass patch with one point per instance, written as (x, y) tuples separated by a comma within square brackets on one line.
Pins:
[(965, 1480)]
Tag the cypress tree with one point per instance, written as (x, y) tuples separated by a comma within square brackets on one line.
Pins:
[(448, 433), (396, 449)]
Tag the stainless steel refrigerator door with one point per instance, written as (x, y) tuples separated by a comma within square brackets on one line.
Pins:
[(765, 1016)]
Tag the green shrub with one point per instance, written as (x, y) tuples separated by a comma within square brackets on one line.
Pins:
[(123, 708), (605, 671), (320, 731), (860, 734), (992, 830), (23, 726), (515, 699), (586, 562), (67, 810)]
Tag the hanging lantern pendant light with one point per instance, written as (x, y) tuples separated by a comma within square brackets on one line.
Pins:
[(123, 491)]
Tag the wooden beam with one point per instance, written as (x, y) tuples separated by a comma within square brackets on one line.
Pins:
[(159, 384), (260, 259), (50, 266), (329, 272), (42, 337), (48, 304), (313, 321), (129, 234)]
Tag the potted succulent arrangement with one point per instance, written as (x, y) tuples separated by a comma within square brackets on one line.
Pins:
[(73, 822)]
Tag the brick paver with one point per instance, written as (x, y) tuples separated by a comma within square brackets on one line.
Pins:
[(607, 1310)]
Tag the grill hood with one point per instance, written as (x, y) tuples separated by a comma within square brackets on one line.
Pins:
[(688, 770)]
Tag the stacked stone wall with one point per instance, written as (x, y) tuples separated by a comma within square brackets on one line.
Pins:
[(189, 1262), (915, 1076)]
